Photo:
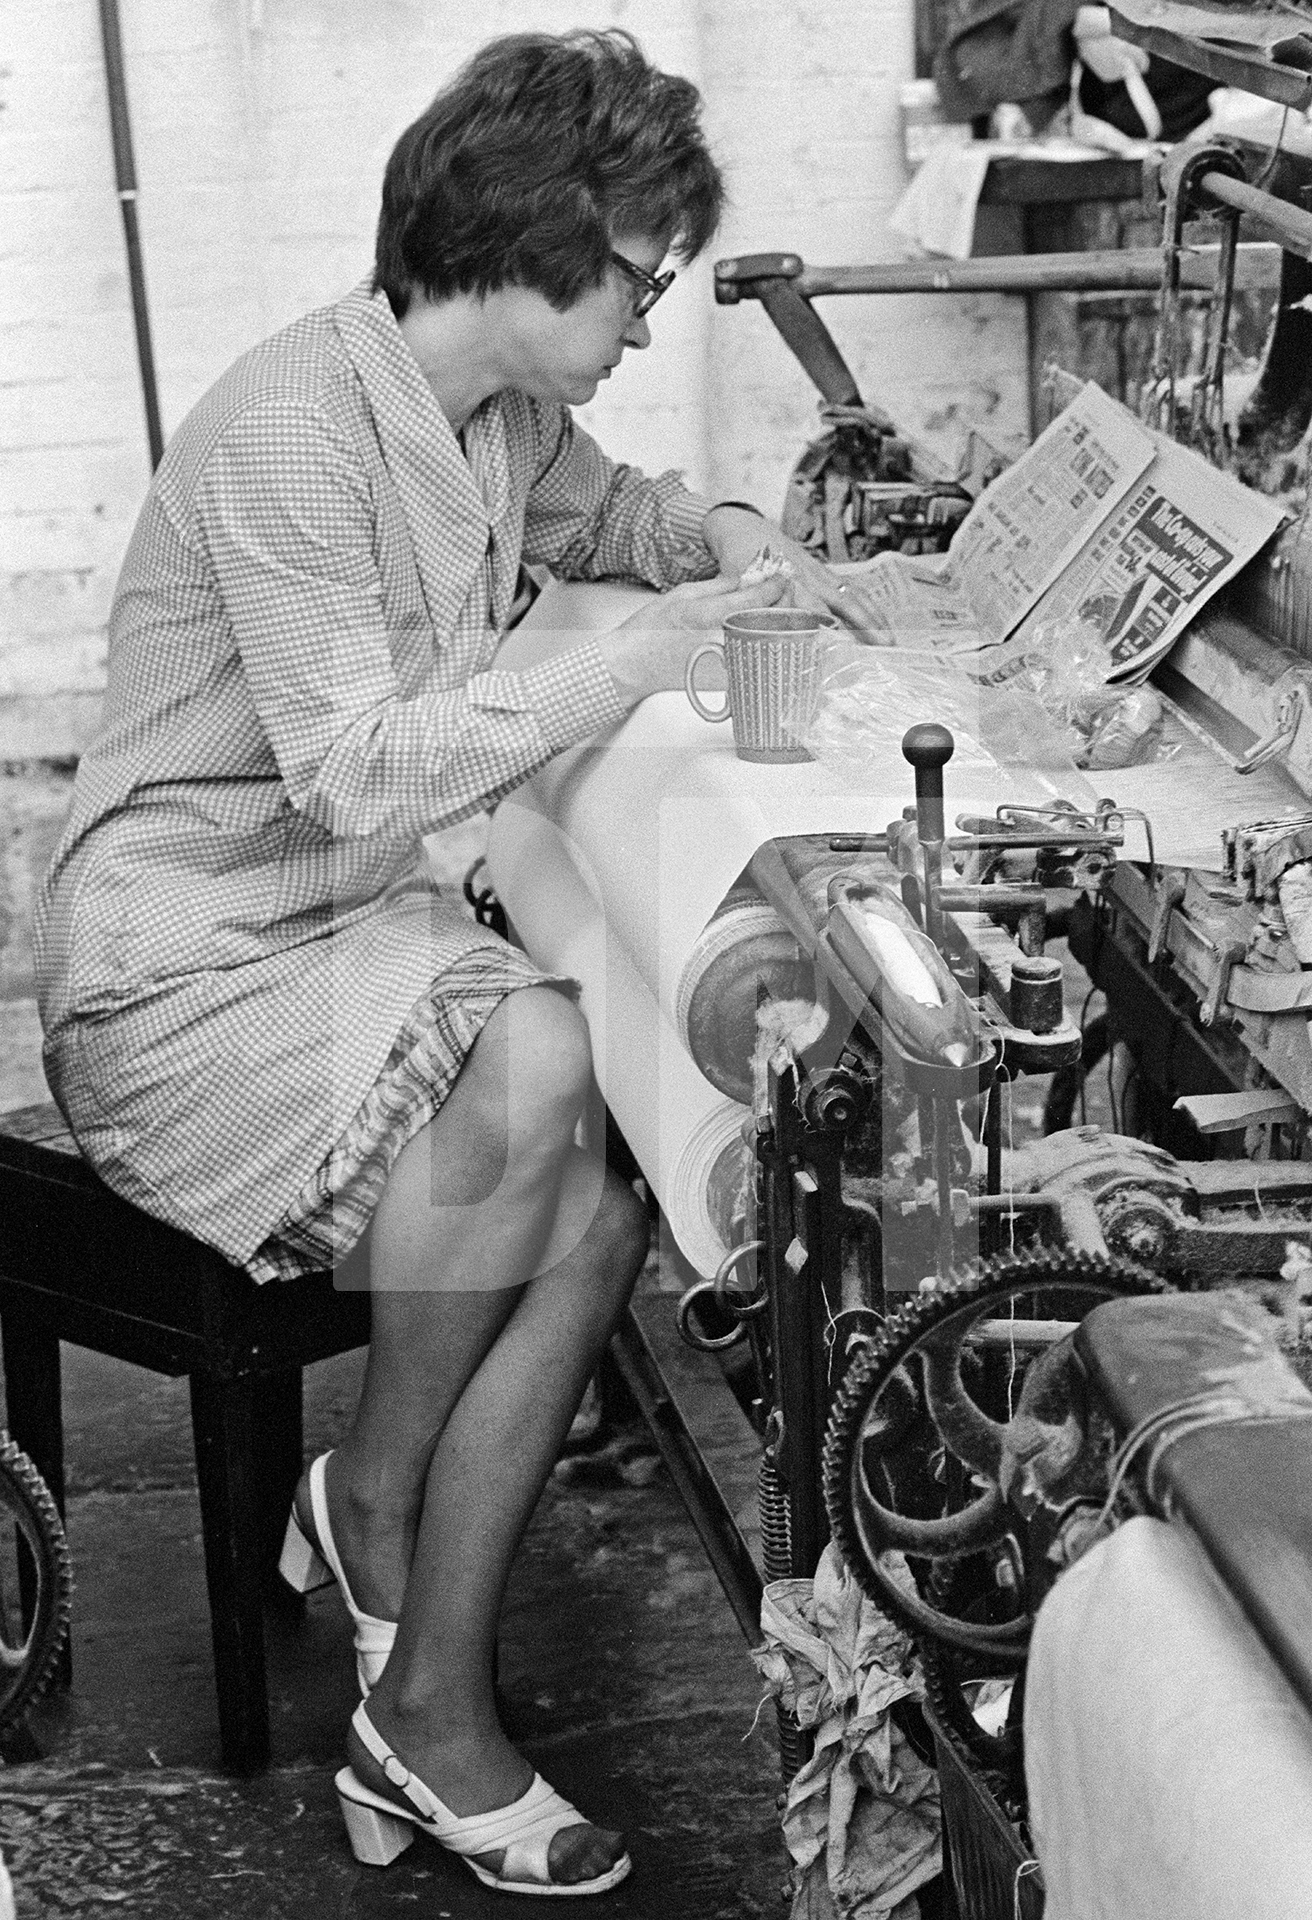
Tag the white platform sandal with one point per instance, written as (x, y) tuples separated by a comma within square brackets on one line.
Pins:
[(306, 1568), (379, 1829)]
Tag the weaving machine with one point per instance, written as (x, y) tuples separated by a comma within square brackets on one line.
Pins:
[(855, 1212), (955, 1351)]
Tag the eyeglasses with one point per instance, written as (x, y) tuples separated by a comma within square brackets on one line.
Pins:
[(651, 285)]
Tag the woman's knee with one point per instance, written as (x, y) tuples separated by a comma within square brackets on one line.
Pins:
[(530, 1069), (628, 1227), (598, 1210), (548, 1061)]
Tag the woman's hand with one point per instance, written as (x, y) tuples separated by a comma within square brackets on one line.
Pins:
[(650, 651), (736, 536)]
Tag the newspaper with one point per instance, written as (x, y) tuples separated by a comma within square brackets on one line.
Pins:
[(1183, 531), (1018, 536), (1103, 529)]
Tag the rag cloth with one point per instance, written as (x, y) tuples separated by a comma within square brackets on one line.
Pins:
[(937, 211), (861, 1819), (1168, 1763)]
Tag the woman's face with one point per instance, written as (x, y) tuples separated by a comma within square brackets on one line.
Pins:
[(565, 356)]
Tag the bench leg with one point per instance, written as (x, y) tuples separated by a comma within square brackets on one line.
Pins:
[(224, 1428), (36, 1424), (280, 1445)]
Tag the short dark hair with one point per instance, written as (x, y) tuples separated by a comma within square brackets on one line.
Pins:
[(541, 151)]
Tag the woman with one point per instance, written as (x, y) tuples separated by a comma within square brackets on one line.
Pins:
[(262, 1020)]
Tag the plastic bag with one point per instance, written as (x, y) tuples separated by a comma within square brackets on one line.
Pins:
[(1041, 703), (1064, 665), (870, 696)]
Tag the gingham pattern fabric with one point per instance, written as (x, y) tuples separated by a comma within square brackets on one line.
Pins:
[(337, 1202), (238, 918)]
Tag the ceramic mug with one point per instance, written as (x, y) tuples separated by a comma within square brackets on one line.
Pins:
[(772, 665)]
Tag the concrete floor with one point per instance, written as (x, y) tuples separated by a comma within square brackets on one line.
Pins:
[(625, 1680)]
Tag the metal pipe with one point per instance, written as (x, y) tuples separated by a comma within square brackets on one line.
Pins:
[(991, 1236), (1287, 225), (1003, 1203), (1019, 1333), (1136, 270), (125, 177)]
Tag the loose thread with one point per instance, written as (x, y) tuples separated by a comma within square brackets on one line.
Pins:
[(1026, 1866)]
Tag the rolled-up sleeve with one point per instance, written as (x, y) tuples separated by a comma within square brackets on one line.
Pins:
[(592, 518), (286, 514)]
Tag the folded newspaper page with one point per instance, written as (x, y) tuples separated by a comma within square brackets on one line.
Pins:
[(1020, 533), (1103, 528), (1182, 532)]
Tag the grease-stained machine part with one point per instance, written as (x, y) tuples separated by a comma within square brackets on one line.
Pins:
[(36, 1585), (906, 1388)]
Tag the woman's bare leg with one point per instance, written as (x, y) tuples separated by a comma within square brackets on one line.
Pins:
[(500, 1258), (462, 1223)]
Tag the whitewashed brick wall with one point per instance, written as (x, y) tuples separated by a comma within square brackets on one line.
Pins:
[(261, 129)]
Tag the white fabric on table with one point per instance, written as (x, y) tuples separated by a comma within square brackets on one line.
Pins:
[(1168, 1762), (613, 858), (937, 210)]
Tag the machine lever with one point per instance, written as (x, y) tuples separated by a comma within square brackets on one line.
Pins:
[(1289, 715), (1170, 895), (1226, 960), (929, 747)]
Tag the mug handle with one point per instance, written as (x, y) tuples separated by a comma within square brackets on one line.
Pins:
[(715, 647)]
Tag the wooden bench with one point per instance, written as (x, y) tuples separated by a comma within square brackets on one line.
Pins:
[(78, 1263)]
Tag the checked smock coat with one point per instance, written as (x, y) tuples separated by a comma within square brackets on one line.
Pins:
[(239, 919)]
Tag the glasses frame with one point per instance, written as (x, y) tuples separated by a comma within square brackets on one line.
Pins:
[(651, 285)]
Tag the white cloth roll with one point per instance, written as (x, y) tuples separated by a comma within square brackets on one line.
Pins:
[(1168, 1762), (612, 859)]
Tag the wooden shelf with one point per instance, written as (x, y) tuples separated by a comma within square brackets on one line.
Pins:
[(1229, 66)]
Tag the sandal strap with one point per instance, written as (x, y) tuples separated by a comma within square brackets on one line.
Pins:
[(372, 1635), (524, 1829)]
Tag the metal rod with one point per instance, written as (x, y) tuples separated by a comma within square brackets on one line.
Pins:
[(1019, 1333), (810, 339), (992, 1233), (1004, 1203), (797, 1323), (944, 1112), (1136, 270), (1079, 838), (696, 1485), (125, 176), (1289, 226)]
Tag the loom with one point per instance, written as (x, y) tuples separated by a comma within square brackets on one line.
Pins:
[(942, 1341)]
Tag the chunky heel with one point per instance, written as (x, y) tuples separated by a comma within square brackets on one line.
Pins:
[(521, 1833), (304, 1570), (376, 1838)]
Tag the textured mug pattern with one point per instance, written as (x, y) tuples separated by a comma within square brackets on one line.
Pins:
[(772, 664)]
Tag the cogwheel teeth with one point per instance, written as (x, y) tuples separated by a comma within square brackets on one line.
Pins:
[(845, 1490)]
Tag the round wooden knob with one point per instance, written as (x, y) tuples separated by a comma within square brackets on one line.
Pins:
[(927, 746)]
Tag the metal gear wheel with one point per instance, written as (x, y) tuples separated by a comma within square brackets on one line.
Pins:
[(904, 1398), (36, 1585)]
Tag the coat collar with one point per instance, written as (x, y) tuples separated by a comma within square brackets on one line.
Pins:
[(451, 503)]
